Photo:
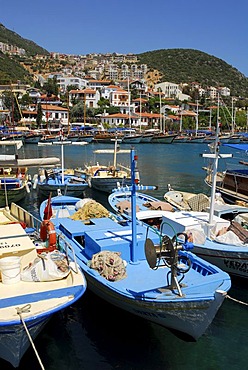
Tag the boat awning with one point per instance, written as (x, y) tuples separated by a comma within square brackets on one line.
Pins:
[(29, 162), (238, 146), (17, 143)]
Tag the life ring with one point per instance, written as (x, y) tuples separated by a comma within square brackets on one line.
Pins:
[(48, 233)]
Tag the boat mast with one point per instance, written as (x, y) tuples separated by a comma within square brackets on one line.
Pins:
[(84, 110), (129, 102), (215, 155), (181, 119), (232, 117), (135, 182), (62, 163), (160, 112), (210, 120), (115, 153), (196, 119)]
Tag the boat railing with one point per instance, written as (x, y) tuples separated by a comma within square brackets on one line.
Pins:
[(67, 246), (32, 222), (23, 215)]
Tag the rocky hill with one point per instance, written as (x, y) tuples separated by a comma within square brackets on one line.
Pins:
[(188, 65)]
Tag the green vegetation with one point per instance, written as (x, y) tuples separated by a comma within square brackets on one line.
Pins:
[(188, 65), (12, 71), (12, 38)]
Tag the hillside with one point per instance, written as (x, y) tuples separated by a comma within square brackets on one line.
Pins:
[(11, 71), (10, 68), (12, 38), (188, 65)]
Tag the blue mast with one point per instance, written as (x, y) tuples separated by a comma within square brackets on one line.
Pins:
[(135, 181)]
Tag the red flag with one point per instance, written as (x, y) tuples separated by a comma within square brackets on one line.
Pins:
[(48, 209)]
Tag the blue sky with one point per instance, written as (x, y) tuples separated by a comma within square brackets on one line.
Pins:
[(216, 27)]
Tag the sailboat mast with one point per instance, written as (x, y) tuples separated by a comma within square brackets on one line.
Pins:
[(115, 152), (129, 102), (196, 119)]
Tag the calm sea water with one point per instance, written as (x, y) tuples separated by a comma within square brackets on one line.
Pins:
[(95, 335)]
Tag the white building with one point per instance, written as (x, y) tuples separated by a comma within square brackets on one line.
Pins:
[(169, 89), (63, 82)]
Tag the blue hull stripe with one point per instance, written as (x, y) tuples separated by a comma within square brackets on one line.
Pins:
[(77, 291)]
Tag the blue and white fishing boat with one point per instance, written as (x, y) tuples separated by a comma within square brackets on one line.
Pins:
[(105, 178), (31, 290), (57, 180), (219, 234), (54, 180), (135, 267)]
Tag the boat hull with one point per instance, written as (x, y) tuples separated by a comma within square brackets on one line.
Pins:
[(190, 318), (45, 190), (14, 341), (163, 139), (106, 185), (132, 139), (234, 262), (13, 195), (143, 291)]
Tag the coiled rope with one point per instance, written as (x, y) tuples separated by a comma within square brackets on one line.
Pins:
[(236, 300), (20, 311)]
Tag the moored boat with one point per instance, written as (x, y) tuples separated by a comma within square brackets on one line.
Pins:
[(233, 182), (116, 259), (162, 138), (30, 295), (107, 177)]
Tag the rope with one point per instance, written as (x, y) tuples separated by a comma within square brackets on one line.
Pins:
[(236, 300), (20, 311)]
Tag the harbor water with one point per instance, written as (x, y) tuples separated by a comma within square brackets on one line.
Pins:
[(94, 335)]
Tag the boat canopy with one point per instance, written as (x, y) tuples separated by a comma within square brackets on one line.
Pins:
[(238, 146)]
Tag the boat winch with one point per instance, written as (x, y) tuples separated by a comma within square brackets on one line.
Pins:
[(166, 253)]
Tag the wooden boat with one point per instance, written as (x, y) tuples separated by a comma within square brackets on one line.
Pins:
[(107, 137), (116, 259), (180, 139), (32, 138), (132, 139), (147, 137), (13, 175), (233, 182), (57, 180), (162, 138), (77, 137), (28, 297), (105, 178)]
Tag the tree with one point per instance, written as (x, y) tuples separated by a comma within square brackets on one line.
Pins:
[(10, 102), (51, 86), (39, 115)]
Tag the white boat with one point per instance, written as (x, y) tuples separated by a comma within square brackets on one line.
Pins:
[(219, 235), (186, 201), (135, 268), (30, 295), (131, 139)]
